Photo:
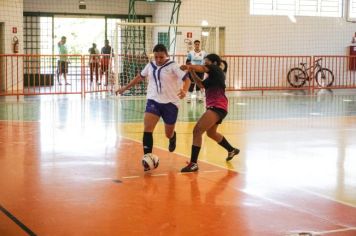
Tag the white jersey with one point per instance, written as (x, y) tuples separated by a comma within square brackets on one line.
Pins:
[(196, 58), (164, 82)]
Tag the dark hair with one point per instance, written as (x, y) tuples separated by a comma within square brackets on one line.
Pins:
[(188, 61), (214, 58), (92, 49), (160, 48), (223, 66), (197, 41)]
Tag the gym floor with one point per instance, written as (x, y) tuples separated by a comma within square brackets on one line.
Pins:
[(72, 166)]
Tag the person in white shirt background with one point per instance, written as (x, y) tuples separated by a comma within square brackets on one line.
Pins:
[(196, 57)]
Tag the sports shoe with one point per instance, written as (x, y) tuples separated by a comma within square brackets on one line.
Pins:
[(172, 142), (231, 154), (191, 167)]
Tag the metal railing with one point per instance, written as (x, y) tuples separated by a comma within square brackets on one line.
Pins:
[(38, 74)]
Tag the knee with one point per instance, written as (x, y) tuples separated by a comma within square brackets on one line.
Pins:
[(197, 131), (210, 134)]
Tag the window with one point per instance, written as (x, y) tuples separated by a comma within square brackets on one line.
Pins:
[(329, 8), (163, 38), (352, 10)]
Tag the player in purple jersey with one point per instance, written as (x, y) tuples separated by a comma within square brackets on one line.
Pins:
[(216, 107)]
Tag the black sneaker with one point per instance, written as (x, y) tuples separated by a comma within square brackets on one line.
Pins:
[(231, 154), (172, 142), (191, 167)]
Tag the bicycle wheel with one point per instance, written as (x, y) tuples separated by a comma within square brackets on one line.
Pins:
[(296, 77), (324, 77)]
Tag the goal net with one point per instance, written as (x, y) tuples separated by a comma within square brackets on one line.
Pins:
[(134, 42)]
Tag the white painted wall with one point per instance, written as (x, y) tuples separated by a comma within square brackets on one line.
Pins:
[(268, 35), (245, 34), (11, 12), (92, 6)]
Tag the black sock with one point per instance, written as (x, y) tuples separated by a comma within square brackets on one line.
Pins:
[(225, 144), (195, 154), (173, 137), (147, 142)]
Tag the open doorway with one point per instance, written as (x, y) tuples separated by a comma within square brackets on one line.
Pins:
[(81, 32)]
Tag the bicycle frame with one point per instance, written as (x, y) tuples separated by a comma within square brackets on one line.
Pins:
[(314, 68), (297, 76)]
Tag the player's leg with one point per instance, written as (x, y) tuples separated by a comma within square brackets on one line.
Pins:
[(219, 138), (169, 115), (206, 121), (190, 91), (150, 121)]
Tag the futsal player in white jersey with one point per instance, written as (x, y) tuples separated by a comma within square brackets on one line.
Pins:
[(167, 83), (196, 57)]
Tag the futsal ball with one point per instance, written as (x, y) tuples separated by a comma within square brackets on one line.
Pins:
[(150, 161)]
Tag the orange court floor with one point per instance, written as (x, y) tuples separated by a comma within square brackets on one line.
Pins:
[(72, 166)]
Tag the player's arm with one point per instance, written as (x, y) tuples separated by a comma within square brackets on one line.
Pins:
[(183, 91), (196, 79), (196, 68), (132, 83)]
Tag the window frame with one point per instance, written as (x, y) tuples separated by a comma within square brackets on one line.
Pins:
[(271, 8)]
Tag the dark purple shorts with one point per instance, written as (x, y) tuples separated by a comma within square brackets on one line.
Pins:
[(168, 111)]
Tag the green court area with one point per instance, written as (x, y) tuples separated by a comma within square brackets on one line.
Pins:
[(105, 108)]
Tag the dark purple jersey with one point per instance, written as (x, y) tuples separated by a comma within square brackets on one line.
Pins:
[(215, 88)]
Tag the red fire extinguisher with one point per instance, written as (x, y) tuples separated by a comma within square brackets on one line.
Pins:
[(15, 45)]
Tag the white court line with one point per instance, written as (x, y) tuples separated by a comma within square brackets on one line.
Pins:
[(183, 155), (210, 171), (157, 175), (335, 231), (325, 197), (287, 205), (224, 168), (131, 177)]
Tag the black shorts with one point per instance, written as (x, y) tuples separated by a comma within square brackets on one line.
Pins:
[(221, 113), (62, 67)]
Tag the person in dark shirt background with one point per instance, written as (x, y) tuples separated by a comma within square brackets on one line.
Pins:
[(107, 54), (216, 107)]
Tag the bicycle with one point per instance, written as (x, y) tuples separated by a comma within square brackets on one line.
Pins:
[(297, 76)]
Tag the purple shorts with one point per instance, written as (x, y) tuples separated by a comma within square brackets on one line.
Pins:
[(168, 111)]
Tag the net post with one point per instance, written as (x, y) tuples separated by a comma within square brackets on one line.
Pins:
[(217, 38), (116, 57)]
